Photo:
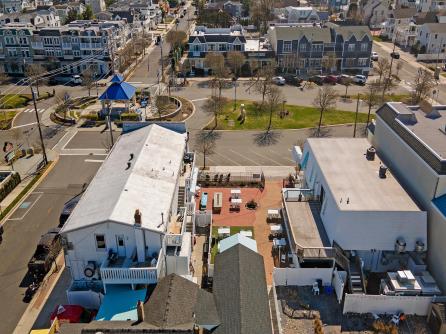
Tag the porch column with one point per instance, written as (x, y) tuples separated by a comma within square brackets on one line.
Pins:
[(140, 244)]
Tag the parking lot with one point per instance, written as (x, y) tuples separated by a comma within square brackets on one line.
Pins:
[(242, 148)]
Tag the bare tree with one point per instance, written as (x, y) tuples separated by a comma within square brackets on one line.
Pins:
[(236, 59), (214, 105), (382, 68), (329, 61), (399, 66), (263, 81), (346, 81), (372, 98), (216, 62), (324, 101), (185, 68), (33, 71), (274, 98), (262, 12), (424, 83), (176, 38), (88, 79), (3, 78), (205, 143)]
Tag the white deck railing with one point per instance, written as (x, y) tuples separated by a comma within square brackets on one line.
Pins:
[(174, 239), (129, 275)]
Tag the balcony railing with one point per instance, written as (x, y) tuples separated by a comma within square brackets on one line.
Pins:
[(66, 46), (132, 274), (37, 45), (91, 46), (174, 239)]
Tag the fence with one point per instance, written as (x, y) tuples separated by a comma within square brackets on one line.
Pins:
[(339, 280), (431, 57), (302, 276), (380, 304), (213, 179), (275, 310), (203, 218)]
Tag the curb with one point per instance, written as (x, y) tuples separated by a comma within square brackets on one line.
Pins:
[(193, 110), (31, 313), (35, 185)]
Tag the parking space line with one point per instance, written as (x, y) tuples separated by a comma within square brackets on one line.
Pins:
[(244, 157), (263, 156), (281, 157), (29, 208), (93, 160), (226, 158), (74, 133)]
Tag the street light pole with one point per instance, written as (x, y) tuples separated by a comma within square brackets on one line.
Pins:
[(45, 159), (162, 61)]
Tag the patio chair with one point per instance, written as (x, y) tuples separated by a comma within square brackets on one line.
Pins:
[(315, 289)]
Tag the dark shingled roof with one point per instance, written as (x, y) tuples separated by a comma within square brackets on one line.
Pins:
[(240, 292), (176, 300)]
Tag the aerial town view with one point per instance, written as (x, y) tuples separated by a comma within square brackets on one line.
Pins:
[(223, 166)]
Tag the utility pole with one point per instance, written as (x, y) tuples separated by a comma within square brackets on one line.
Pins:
[(33, 94), (390, 69), (110, 124), (162, 60), (356, 116)]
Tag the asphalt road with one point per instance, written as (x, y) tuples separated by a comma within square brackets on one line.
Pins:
[(39, 212), (147, 71)]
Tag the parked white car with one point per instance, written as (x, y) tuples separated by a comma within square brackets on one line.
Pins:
[(360, 79), (279, 81), (374, 56)]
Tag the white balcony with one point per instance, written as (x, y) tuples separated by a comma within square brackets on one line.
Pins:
[(125, 271), (67, 46)]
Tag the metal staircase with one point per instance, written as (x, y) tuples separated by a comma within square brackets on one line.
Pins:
[(181, 196), (356, 276)]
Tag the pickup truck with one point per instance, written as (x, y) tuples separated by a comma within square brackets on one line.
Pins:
[(46, 252)]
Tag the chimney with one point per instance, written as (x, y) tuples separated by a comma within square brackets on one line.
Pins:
[(138, 217), (140, 311)]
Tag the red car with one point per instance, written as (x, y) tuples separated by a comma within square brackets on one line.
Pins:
[(72, 314), (331, 79)]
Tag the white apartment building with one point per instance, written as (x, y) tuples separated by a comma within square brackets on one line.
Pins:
[(412, 142), (432, 36), (134, 223), (431, 5)]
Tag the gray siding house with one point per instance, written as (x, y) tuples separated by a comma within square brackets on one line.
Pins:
[(310, 50)]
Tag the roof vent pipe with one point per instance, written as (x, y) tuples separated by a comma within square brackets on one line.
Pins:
[(370, 154), (138, 217), (140, 311), (382, 171)]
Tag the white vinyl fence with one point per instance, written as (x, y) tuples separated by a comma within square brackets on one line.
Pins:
[(381, 304), (302, 276)]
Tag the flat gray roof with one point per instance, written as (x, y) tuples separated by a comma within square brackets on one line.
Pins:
[(141, 173), (308, 231), (349, 175), (428, 127)]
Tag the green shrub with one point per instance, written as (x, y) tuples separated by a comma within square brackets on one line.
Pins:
[(130, 117), (9, 185), (91, 117)]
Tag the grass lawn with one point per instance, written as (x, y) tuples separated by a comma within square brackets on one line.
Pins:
[(12, 101), (378, 39), (299, 117), (234, 230), (6, 119)]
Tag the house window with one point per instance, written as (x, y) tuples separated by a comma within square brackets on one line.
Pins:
[(100, 241), (364, 47), (222, 47), (303, 47), (287, 46), (351, 47), (362, 61), (350, 62), (317, 47), (237, 47)]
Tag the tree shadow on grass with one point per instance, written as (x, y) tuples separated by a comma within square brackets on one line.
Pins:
[(267, 138)]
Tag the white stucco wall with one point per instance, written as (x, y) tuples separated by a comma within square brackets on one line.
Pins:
[(362, 230), (436, 252)]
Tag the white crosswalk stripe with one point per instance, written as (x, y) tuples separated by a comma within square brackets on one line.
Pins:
[(32, 110)]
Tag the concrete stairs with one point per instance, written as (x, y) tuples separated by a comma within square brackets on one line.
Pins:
[(181, 196), (356, 279)]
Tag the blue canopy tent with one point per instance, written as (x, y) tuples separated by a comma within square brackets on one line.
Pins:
[(119, 90)]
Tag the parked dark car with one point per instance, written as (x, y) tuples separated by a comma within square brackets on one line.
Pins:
[(46, 252), (331, 79), (395, 55), (292, 79), (317, 79), (68, 209)]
